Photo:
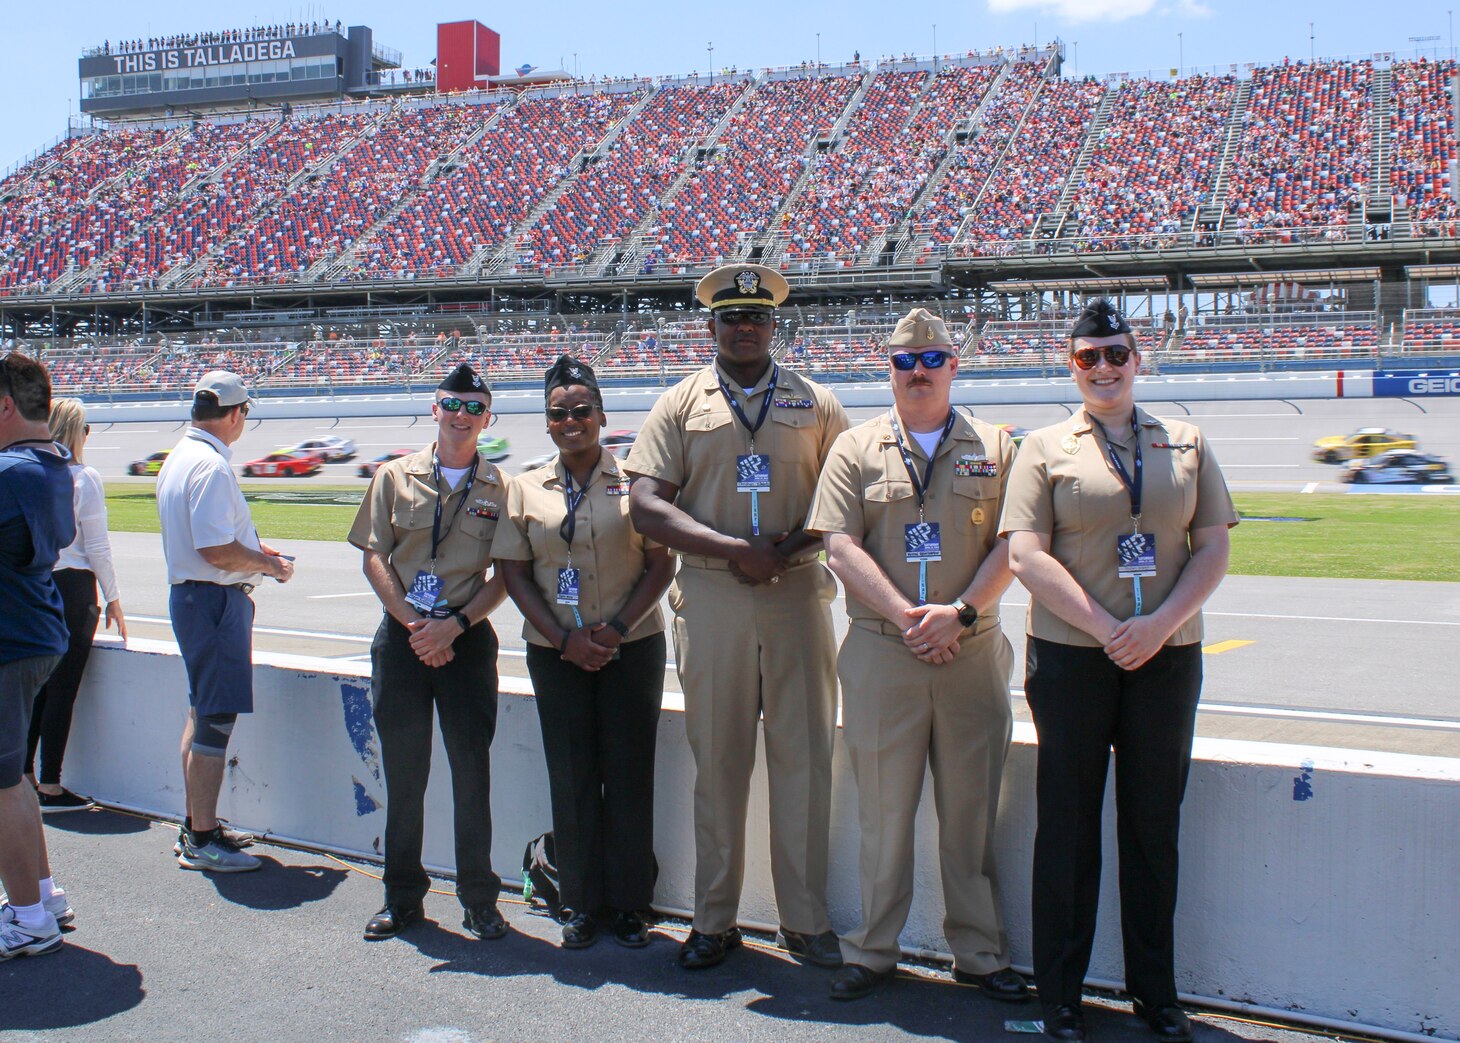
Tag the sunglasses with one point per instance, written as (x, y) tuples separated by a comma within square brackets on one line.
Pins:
[(735, 318), (906, 360), (243, 409), (557, 414), (1116, 355), (455, 405), (86, 429)]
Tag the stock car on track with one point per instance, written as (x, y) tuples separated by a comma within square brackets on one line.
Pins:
[(1399, 465), (284, 463), (330, 448), (369, 467), (149, 466), (493, 447), (1365, 442)]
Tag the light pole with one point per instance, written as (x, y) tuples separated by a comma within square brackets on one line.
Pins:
[(1076, 45), (710, 47), (1311, 57), (1180, 54), (818, 50), (935, 46)]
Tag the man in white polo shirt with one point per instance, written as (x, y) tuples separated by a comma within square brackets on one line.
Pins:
[(214, 560)]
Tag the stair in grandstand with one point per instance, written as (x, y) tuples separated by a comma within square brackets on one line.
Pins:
[(78, 278), (773, 239), (604, 147), (1380, 190), (910, 237), (333, 266), (321, 167), (1049, 225), (626, 254), (1209, 217)]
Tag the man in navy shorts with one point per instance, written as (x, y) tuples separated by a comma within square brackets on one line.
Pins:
[(36, 522), (214, 561)]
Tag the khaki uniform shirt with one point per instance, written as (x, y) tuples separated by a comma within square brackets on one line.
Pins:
[(396, 515), (865, 492), (608, 551), (692, 439), (1064, 487)]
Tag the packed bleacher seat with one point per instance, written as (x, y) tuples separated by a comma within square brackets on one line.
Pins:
[(1305, 152), (739, 189), (501, 176), (1154, 163), (1242, 338), (673, 346), (1424, 144), (951, 201), (606, 203), (893, 142)]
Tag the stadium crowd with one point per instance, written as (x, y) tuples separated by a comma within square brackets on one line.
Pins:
[(279, 31)]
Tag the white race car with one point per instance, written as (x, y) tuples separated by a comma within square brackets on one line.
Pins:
[(1399, 465), (330, 448)]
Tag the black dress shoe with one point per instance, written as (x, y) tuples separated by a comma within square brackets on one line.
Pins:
[(629, 930), (1168, 1023), (854, 981), (1007, 984), (700, 951), (485, 922), (1064, 1022), (580, 932), (822, 949), (391, 921)]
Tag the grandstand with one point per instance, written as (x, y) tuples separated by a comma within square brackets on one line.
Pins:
[(487, 217)]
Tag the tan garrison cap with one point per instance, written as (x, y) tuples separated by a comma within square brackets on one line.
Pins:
[(741, 286), (920, 328)]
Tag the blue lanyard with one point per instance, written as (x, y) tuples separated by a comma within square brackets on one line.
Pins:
[(436, 534), (765, 406), (921, 485), (1132, 484), (570, 523)]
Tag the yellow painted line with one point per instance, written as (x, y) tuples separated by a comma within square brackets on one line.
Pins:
[(1224, 646)]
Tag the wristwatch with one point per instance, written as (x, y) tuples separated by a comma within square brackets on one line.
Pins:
[(967, 614), (460, 617), (620, 626)]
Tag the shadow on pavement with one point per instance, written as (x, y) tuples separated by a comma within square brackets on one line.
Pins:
[(278, 886), (73, 987), (99, 823)]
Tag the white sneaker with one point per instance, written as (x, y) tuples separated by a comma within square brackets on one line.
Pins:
[(16, 940), (57, 905)]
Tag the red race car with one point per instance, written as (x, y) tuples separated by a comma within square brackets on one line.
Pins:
[(284, 463)]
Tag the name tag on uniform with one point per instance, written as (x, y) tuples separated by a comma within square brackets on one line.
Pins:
[(1180, 447), (923, 541), (618, 488), (975, 469), (425, 592), (1135, 555), (753, 473), (567, 586), (794, 403)]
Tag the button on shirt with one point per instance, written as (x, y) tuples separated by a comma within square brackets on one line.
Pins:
[(865, 493), (395, 519), (200, 505), (608, 551), (1064, 487), (692, 439)]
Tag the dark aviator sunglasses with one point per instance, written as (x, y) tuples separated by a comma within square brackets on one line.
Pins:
[(454, 405), (906, 360), (1115, 354), (583, 411)]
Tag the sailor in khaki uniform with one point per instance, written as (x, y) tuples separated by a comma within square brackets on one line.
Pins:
[(426, 527), (908, 505), (724, 469), (1117, 525)]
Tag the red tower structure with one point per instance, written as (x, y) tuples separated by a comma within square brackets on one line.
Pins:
[(468, 55)]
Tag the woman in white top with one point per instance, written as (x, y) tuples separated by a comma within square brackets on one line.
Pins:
[(82, 566)]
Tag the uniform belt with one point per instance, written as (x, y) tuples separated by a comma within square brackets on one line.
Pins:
[(881, 626), (695, 561), (247, 588)]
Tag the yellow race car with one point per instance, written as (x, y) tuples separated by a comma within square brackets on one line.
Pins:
[(1363, 443)]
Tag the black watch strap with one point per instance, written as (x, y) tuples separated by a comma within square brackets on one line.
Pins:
[(967, 614), (460, 617), (620, 626)]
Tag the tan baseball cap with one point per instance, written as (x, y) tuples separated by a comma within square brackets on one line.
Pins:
[(919, 329), (228, 388)]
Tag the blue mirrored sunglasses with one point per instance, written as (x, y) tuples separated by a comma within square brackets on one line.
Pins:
[(906, 360), (453, 405)]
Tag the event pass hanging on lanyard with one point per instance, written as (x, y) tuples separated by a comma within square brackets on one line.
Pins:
[(1135, 552), (922, 540), (425, 593), (752, 470)]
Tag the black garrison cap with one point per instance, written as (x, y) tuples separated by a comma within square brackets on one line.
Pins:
[(464, 379), (1099, 319), (568, 370)]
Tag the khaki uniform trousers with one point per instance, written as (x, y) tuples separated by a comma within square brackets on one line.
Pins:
[(899, 716), (741, 652)]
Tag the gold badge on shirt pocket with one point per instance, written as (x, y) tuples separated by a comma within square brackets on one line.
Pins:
[(1071, 444), (978, 516)]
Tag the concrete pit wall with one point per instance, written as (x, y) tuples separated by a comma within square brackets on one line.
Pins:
[(1317, 881)]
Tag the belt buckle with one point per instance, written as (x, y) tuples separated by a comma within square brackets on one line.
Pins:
[(247, 588)]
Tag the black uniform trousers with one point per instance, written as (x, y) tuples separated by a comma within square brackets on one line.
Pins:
[(1083, 705), (464, 694), (50, 722), (599, 735)]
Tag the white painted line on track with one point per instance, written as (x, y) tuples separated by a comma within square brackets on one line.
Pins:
[(1310, 487), (1322, 715), (1339, 619), (354, 594), (1229, 467), (1255, 438)]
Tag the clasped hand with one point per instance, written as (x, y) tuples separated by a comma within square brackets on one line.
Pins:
[(592, 648), (761, 562), (931, 632)]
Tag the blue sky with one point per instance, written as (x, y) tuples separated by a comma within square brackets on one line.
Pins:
[(659, 37)]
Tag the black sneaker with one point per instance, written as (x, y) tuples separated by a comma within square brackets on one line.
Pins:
[(55, 803)]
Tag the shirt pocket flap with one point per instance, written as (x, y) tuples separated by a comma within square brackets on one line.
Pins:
[(888, 491), (976, 488), (708, 420)]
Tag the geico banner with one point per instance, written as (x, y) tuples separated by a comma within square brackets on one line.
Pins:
[(1412, 384)]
